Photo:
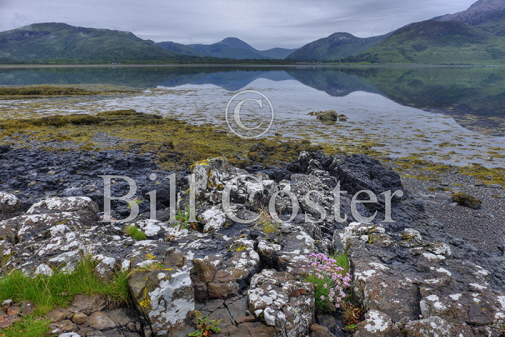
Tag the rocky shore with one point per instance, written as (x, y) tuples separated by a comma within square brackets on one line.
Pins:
[(410, 277)]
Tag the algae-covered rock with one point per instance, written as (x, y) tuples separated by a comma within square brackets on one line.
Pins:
[(467, 200)]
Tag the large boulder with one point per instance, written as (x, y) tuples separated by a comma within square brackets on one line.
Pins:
[(281, 301), (165, 297)]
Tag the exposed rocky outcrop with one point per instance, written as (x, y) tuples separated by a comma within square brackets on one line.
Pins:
[(244, 266)]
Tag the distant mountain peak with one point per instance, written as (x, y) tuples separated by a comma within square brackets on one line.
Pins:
[(234, 42), (477, 12), (488, 15), (334, 47)]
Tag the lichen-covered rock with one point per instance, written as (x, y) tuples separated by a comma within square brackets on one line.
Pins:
[(165, 297), (436, 326), (10, 205), (282, 302), (422, 279), (377, 324)]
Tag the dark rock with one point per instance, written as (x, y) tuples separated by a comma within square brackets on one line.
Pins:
[(317, 330)]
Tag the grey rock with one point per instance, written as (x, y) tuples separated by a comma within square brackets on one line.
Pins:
[(377, 324), (87, 304), (10, 205), (58, 314), (100, 321), (282, 302)]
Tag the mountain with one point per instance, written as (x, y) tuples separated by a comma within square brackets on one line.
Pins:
[(51, 41), (234, 48), (181, 49), (335, 47), (437, 42), (488, 15)]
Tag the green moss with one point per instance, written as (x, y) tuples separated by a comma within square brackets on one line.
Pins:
[(45, 90), (464, 198), (135, 233)]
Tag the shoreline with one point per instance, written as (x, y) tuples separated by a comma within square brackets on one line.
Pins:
[(227, 65)]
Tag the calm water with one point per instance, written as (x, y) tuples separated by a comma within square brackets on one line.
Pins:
[(450, 115)]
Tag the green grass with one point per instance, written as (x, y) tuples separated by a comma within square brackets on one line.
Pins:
[(58, 290), (29, 326), (343, 261), (135, 233)]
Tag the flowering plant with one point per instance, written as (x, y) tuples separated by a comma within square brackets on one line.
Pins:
[(330, 279)]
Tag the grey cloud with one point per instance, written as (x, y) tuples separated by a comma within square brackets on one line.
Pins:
[(262, 23)]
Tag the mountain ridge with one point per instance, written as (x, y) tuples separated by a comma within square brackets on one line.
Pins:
[(335, 46), (50, 41)]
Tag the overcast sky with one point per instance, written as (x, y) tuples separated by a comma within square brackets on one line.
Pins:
[(262, 23)]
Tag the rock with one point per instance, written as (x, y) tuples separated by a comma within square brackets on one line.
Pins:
[(317, 330), (79, 318), (327, 115), (330, 322), (213, 219), (376, 324), (43, 269), (436, 326), (10, 205), (342, 118), (105, 268), (255, 329), (466, 200), (156, 293), (123, 317), (58, 314), (87, 304), (282, 302), (64, 326), (27, 308), (100, 321), (69, 334), (8, 320)]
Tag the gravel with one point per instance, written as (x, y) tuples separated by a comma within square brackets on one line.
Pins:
[(484, 228)]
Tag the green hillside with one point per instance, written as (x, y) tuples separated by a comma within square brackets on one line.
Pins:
[(181, 49), (234, 48), (52, 41), (435, 42), (335, 47)]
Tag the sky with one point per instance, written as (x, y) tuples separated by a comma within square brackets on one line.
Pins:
[(263, 24)]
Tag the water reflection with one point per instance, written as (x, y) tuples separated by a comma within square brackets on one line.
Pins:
[(474, 97)]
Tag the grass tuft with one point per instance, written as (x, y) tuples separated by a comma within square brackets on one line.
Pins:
[(135, 233), (58, 290)]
